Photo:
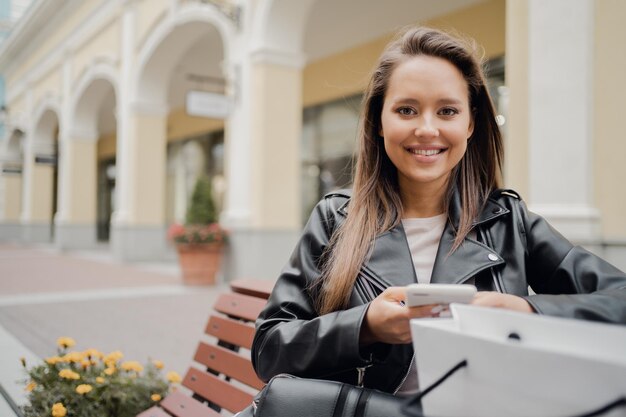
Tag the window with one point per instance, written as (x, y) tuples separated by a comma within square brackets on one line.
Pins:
[(328, 144)]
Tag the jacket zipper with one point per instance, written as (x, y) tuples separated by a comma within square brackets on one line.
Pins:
[(405, 376), (496, 276), (361, 375)]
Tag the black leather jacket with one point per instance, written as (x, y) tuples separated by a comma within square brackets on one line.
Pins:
[(513, 249)]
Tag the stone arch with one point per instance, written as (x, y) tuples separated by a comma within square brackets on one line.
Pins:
[(159, 55), (92, 88), (47, 119), (275, 19), (15, 146)]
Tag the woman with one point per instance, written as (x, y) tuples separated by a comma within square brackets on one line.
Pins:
[(425, 207)]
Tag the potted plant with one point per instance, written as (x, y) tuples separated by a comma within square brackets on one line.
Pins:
[(200, 241)]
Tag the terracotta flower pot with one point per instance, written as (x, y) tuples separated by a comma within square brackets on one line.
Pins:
[(199, 262)]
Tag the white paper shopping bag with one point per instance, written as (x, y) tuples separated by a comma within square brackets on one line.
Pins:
[(519, 364)]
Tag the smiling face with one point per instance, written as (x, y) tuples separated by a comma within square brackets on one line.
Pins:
[(425, 122)]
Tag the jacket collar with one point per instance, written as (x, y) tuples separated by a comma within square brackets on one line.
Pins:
[(391, 259)]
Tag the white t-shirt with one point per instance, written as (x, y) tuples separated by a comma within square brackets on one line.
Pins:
[(423, 236)]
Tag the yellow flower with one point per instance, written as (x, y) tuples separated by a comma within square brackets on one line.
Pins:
[(132, 366), (157, 364), (112, 358), (31, 386), (110, 371), (155, 397), (85, 363), (93, 354), (83, 388), (100, 380), (54, 360), (58, 410), (68, 374), (173, 377), (65, 342), (74, 357)]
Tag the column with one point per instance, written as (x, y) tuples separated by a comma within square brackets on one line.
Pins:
[(263, 164), (75, 221), (10, 200), (76, 218), (38, 191), (559, 111), (138, 226)]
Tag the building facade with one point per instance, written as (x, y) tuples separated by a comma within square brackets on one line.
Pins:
[(115, 107)]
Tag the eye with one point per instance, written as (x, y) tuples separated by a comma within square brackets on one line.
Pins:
[(406, 111), (448, 111)]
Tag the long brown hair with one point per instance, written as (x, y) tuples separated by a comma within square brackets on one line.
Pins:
[(375, 206)]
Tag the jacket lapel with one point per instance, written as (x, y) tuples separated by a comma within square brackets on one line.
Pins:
[(391, 264), (465, 262), (391, 259), (472, 256)]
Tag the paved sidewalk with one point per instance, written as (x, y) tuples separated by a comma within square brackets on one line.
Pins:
[(143, 310)]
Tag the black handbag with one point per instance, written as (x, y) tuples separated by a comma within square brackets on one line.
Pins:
[(290, 396)]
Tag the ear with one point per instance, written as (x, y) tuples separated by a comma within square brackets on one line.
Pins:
[(381, 132), (470, 128)]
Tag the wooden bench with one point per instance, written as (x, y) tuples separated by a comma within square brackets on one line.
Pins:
[(226, 380)]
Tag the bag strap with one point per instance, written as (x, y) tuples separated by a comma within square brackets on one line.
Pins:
[(341, 400), (362, 403), (438, 382), (620, 402)]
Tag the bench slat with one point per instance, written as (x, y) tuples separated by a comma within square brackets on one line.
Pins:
[(256, 287), (230, 331), (229, 363), (241, 306), (181, 405), (217, 390)]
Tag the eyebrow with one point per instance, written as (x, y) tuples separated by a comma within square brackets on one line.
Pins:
[(440, 101)]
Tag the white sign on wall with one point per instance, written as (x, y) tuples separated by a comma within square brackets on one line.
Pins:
[(209, 105)]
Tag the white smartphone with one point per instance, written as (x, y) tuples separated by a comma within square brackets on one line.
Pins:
[(426, 294)]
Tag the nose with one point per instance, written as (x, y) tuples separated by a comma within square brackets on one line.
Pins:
[(426, 128)]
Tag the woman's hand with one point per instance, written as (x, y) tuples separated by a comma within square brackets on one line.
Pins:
[(387, 318), (499, 300)]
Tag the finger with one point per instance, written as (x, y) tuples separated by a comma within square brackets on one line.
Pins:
[(484, 300), (395, 293), (482, 294), (423, 311)]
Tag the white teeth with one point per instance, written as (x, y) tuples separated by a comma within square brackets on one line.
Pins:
[(426, 152)]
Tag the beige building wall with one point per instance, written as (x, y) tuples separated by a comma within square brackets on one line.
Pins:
[(610, 90), (50, 83), (105, 43), (148, 155), (181, 125), (13, 190), (42, 187), (276, 173), (52, 42), (82, 209), (347, 73), (150, 12)]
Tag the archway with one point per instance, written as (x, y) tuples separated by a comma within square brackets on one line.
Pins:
[(89, 155), (184, 53), (40, 182), (11, 185)]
